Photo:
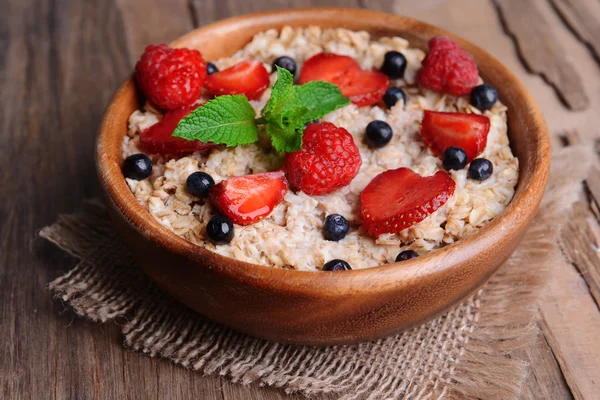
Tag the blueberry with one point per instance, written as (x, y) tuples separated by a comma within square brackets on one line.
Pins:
[(220, 229), (394, 64), (406, 255), (286, 63), (199, 183), (137, 166), (378, 133), (336, 265), (392, 95), (454, 158), (336, 227), (211, 68), (484, 96), (480, 169)]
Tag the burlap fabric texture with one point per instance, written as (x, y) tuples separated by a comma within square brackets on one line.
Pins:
[(465, 353)]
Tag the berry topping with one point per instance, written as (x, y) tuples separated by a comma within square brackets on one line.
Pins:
[(378, 133), (441, 130), (336, 227), (211, 68), (137, 166), (285, 62), (336, 265), (454, 158), (362, 87), (250, 198), (393, 95), (158, 140), (249, 78), (220, 229), (328, 160), (394, 64), (397, 199), (480, 169), (484, 96), (406, 255), (170, 78), (448, 68), (199, 183)]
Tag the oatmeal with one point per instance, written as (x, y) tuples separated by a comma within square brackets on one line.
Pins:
[(292, 235)]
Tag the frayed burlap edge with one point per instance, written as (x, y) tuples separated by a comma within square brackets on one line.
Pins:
[(471, 358)]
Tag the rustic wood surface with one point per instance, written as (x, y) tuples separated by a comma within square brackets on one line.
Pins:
[(60, 61)]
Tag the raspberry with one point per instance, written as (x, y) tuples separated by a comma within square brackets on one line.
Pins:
[(328, 160), (448, 68), (170, 78)]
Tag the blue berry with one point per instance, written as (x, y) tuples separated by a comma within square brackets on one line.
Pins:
[(378, 133), (406, 255), (394, 64), (336, 227), (220, 229), (336, 265), (484, 96), (211, 68), (480, 169), (199, 183), (286, 63), (393, 95), (137, 166), (454, 158)]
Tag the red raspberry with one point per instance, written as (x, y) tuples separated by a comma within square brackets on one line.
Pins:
[(328, 160), (171, 78), (448, 68)]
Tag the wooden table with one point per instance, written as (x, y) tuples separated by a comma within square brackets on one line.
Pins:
[(60, 61)]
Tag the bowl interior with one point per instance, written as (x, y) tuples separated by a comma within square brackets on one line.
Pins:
[(527, 133)]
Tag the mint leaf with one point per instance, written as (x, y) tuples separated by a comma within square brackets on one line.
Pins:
[(291, 107), (226, 120), (281, 92), (319, 97)]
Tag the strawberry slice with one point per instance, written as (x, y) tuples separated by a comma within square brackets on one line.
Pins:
[(362, 87), (441, 130), (249, 78), (158, 140), (250, 198), (326, 67), (397, 199)]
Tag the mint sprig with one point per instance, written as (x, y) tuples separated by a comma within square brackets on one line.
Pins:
[(232, 121)]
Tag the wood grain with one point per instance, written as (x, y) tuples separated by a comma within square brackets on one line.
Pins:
[(545, 381), (541, 51), (583, 17)]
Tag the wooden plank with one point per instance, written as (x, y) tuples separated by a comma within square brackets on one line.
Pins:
[(53, 55), (545, 380), (579, 241), (150, 22), (541, 51), (583, 17)]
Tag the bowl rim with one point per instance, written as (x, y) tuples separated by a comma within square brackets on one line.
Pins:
[(511, 220)]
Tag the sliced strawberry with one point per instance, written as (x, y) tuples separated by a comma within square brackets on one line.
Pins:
[(362, 87), (158, 140), (397, 199), (326, 67), (250, 198), (365, 88), (441, 130), (249, 78)]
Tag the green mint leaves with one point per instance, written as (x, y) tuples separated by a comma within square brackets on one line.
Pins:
[(224, 120), (231, 120)]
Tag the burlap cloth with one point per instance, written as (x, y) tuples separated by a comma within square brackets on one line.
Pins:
[(465, 353)]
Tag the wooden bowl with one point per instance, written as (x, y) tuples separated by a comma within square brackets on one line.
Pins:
[(317, 308)]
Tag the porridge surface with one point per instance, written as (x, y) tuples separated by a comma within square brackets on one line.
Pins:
[(291, 237)]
